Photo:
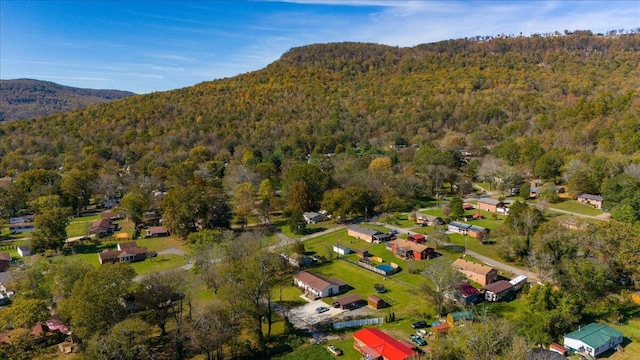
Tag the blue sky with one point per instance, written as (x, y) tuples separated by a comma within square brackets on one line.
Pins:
[(146, 46)]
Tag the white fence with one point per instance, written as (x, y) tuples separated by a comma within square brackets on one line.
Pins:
[(359, 322)]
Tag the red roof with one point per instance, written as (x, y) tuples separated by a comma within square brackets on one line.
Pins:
[(385, 345)]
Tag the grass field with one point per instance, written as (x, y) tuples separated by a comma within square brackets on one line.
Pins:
[(576, 207)]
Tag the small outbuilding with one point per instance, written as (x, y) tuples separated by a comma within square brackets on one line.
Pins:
[(457, 316), (24, 250), (341, 249), (375, 302), (350, 301), (5, 260)]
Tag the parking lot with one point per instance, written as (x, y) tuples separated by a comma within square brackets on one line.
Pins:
[(305, 316)]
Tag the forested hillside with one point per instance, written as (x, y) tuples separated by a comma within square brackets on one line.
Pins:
[(576, 92), (357, 130), (27, 98)]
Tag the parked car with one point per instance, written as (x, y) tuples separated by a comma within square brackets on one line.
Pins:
[(419, 324), (334, 350), (418, 340), (322, 309), (336, 305)]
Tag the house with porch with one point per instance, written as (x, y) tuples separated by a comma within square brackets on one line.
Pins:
[(428, 220), (316, 287), (374, 344), (474, 231), (367, 234), (593, 339), (481, 274), (128, 251)]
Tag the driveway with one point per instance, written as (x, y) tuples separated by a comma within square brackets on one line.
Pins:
[(305, 316)]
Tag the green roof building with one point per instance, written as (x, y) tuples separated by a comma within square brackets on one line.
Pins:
[(593, 339)]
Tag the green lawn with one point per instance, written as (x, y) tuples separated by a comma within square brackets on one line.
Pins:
[(576, 207), (158, 263), (473, 244), (11, 247), (79, 226)]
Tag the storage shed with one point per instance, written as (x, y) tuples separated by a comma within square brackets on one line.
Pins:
[(375, 302)]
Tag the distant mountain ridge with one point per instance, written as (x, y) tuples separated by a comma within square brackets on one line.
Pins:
[(29, 98)]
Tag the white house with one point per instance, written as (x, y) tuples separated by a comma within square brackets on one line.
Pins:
[(593, 339)]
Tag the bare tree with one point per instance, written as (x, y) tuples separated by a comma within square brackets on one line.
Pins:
[(443, 280)]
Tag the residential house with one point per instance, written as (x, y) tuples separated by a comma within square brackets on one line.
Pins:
[(467, 206), (22, 219), (5, 261), (350, 301), (499, 290), (299, 260), (457, 316), (478, 232), (22, 227), (474, 231), (428, 220), (151, 218), (465, 293), (492, 205), (593, 339), (417, 238), (312, 217), (157, 231), (111, 215), (458, 227), (24, 250), (367, 234), (128, 251), (409, 250), (341, 249), (315, 286), (374, 344), (375, 302), (103, 227), (590, 199), (481, 274)]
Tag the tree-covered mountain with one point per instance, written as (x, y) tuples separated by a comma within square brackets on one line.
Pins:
[(27, 98), (576, 92)]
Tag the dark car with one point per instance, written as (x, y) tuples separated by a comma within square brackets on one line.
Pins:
[(419, 324), (336, 305), (418, 340), (322, 309)]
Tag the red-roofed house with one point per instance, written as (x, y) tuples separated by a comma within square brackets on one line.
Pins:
[(375, 344), (417, 238)]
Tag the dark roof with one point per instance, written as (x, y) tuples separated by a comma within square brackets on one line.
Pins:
[(498, 286), (591, 197), (466, 289), (542, 354), (157, 230), (460, 225), (349, 299), (127, 245), (491, 201)]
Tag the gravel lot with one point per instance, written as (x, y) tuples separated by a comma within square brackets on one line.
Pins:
[(305, 316)]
